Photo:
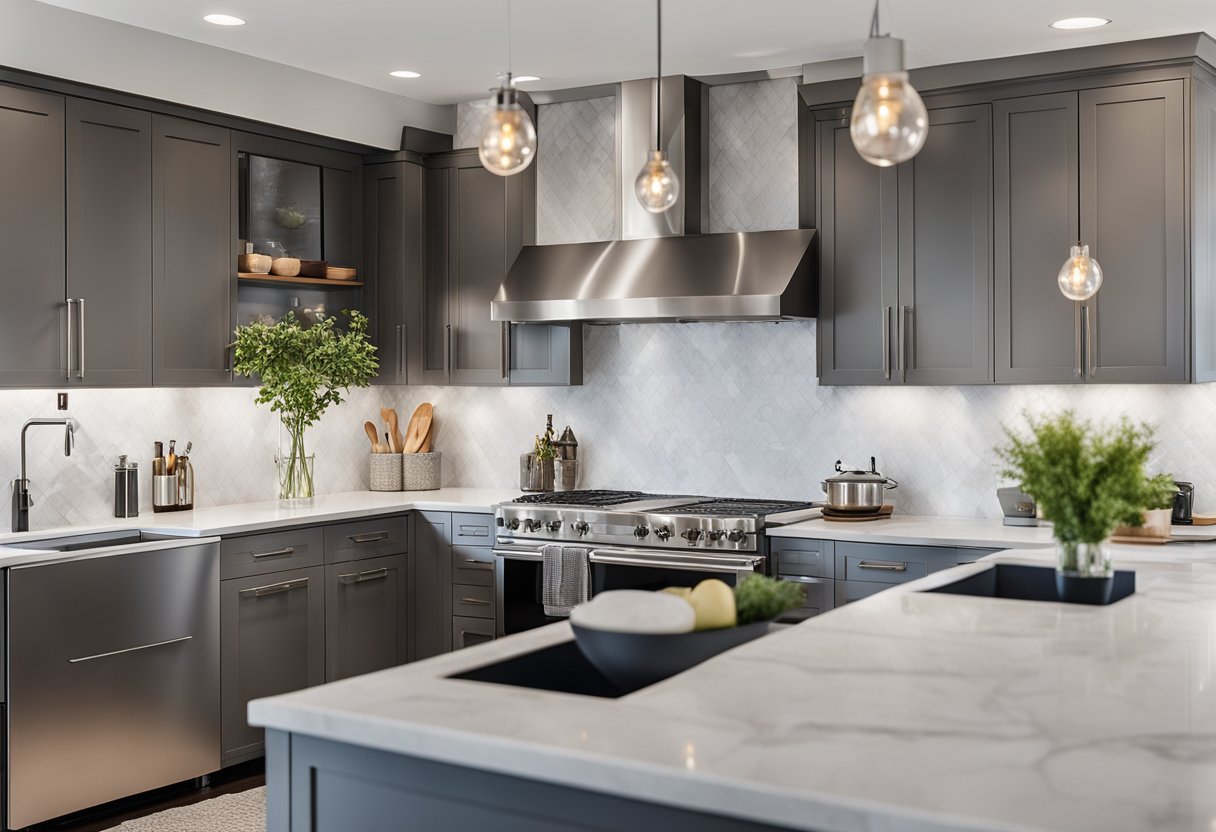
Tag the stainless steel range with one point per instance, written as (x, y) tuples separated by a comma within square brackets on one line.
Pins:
[(634, 540)]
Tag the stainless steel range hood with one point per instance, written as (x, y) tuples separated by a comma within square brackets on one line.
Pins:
[(663, 270)]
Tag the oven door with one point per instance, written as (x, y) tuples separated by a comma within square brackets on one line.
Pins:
[(654, 570), (517, 586)]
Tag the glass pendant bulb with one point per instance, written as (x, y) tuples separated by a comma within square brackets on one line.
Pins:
[(508, 138), (1080, 277), (657, 185), (889, 123)]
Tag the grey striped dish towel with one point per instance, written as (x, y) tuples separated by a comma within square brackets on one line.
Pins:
[(565, 578)]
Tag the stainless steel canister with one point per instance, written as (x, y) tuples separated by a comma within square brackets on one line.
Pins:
[(126, 488)]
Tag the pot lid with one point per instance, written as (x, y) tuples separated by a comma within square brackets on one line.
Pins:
[(846, 475)]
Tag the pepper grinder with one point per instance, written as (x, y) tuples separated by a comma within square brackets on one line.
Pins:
[(126, 488)]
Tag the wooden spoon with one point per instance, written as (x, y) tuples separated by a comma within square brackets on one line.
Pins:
[(370, 430), (396, 441), (419, 427)]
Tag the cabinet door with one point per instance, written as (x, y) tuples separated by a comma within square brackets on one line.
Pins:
[(1133, 216), (428, 348), (272, 641), (365, 616), (477, 240), (945, 252), (393, 211), (467, 632), (431, 584), (858, 214), (1036, 220), (193, 266), (546, 355), (109, 193), (33, 316)]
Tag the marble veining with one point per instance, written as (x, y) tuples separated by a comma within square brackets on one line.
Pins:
[(904, 710)]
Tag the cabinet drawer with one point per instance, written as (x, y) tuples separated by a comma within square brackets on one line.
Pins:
[(366, 539), (890, 564), (473, 565), (473, 529), (882, 570), (808, 558), (819, 598), (473, 601), (847, 591), (469, 631), (259, 554)]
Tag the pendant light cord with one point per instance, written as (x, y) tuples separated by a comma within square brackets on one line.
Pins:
[(658, 96), (510, 52), (874, 30)]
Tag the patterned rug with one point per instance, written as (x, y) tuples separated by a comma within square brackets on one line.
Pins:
[(240, 812)]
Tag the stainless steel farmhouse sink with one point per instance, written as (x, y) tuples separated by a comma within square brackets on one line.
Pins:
[(81, 542)]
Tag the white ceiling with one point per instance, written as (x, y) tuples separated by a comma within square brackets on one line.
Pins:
[(459, 45)]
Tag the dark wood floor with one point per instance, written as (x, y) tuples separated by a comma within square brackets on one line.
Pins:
[(230, 780)]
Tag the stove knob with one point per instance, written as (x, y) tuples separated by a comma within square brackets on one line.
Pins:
[(531, 525), (581, 527), (716, 534), (735, 535), (553, 526), (513, 523), (662, 533), (640, 532), (691, 535)]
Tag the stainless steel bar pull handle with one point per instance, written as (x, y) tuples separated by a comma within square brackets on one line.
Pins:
[(273, 589), (506, 347), (1091, 339), (273, 553), (80, 344), (360, 577), (71, 303), (883, 566), (475, 601), (367, 538), (473, 563), (128, 650), (908, 339), (1078, 369), (886, 343)]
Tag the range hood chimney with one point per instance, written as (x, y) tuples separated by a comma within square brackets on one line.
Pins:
[(663, 268)]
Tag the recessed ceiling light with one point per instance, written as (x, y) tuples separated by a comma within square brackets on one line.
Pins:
[(523, 79), (223, 20), (404, 73), (1080, 23)]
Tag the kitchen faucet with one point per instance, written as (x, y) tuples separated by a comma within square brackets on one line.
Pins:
[(21, 487)]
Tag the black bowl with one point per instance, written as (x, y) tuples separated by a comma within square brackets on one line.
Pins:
[(634, 660)]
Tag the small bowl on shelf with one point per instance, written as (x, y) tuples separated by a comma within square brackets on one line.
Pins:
[(340, 273), (254, 263), (285, 266)]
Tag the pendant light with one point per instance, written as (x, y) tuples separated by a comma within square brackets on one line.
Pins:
[(508, 138), (889, 124), (657, 185), (1080, 277)]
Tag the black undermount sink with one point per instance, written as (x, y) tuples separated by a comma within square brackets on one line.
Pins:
[(1025, 583), (560, 668), (80, 542)]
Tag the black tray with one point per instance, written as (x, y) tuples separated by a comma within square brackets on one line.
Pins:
[(1039, 583)]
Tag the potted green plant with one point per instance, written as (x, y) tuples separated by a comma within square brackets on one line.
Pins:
[(303, 370), (1086, 480)]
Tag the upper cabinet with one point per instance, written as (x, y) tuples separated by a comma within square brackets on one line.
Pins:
[(34, 326), (943, 269), (192, 253), (442, 231)]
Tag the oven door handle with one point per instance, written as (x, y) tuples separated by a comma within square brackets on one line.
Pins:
[(687, 562), (509, 552)]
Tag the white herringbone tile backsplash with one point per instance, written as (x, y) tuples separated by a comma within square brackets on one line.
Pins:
[(576, 171), (719, 409)]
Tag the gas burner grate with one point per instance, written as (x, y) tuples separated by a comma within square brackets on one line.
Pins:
[(596, 499), (739, 507)]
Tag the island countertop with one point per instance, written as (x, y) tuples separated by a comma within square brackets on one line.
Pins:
[(905, 710)]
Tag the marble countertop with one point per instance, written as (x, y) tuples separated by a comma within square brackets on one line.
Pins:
[(905, 710)]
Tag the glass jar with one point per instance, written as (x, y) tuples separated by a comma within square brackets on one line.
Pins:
[(1083, 560)]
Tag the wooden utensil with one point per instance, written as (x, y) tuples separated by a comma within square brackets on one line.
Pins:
[(426, 443), (397, 441), (370, 430), (419, 427)]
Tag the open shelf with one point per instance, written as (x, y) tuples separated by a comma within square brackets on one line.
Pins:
[(316, 282)]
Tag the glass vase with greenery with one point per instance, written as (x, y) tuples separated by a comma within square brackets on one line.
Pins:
[(303, 370), (1086, 480)]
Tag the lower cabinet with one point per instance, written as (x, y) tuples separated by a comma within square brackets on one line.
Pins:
[(431, 564), (366, 616), (455, 599), (468, 631), (272, 641)]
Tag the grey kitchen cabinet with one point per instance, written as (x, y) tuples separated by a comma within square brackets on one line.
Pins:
[(109, 244), (429, 354), (467, 632), (366, 616), (905, 269), (1133, 152), (272, 641), (1037, 216), (430, 584), (33, 319), (192, 265), (858, 210), (393, 256), (944, 319), (546, 355)]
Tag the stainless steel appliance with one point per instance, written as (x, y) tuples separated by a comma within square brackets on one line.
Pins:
[(126, 488), (635, 541), (1018, 507), (112, 672), (857, 490), (1184, 505)]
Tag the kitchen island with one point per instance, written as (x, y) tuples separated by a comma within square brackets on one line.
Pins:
[(906, 710)]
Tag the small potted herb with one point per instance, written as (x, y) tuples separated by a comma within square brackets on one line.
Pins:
[(1087, 480), (303, 370)]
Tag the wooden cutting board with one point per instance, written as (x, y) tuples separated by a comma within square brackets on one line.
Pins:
[(419, 428), (857, 516)]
